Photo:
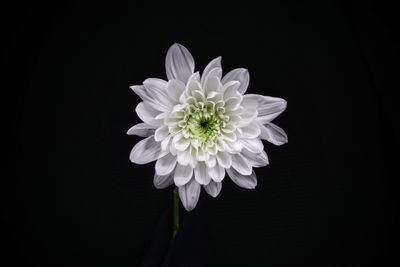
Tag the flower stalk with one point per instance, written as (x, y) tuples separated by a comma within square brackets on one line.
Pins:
[(175, 213)]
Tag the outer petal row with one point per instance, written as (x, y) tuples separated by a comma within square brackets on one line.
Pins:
[(179, 63)]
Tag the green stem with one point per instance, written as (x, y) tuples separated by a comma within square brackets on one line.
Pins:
[(175, 213)]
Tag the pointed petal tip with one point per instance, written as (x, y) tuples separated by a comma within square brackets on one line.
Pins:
[(134, 88), (219, 59)]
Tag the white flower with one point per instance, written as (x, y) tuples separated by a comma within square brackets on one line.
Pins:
[(199, 127)]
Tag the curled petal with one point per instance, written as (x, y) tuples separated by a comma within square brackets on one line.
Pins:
[(183, 174), (241, 164), (157, 89), (147, 114), (213, 188), (230, 89), (215, 63), (161, 133), (212, 82), (273, 134), (189, 194), (163, 181), (268, 108), (253, 145), (195, 77), (217, 173), (201, 174), (141, 129), (269, 112), (211, 161), (145, 151), (183, 156), (191, 87), (240, 75), (245, 181), (224, 159), (181, 143), (250, 131), (247, 116), (179, 63), (166, 164), (149, 98), (256, 159), (175, 89), (233, 103)]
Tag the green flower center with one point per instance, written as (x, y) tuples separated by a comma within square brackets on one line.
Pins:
[(203, 123), (204, 128)]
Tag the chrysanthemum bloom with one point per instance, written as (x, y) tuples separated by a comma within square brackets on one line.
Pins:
[(199, 127)]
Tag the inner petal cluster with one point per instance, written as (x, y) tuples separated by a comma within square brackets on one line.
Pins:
[(202, 123)]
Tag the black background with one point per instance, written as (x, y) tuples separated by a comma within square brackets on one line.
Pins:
[(328, 197)]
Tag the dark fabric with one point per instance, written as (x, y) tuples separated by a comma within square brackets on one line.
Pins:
[(70, 196)]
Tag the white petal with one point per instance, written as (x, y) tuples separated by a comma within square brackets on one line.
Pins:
[(165, 143), (211, 161), (213, 81), (273, 134), (195, 77), (268, 107), (141, 91), (179, 63), (230, 89), (256, 159), (183, 174), (189, 194), (199, 96), (166, 164), (193, 157), (145, 151), (245, 181), (224, 159), (201, 154), (268, 112), (253, 145), (157, 89), (234, 147), (141, 129), (254, 100), (215, 63), (155, 84), (250, 131), (147, 97), (147, 114), (213, 188), (248, 115), (233, 103), (229, 137), (217, 173), (241, 164), (163, 181), (201, 174), (183, 157), (175, 89), (240, 75), (190, 88), (181, 143), (161, 133)]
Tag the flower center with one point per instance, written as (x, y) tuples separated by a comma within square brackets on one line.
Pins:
[(204, 124), (204, 127)]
